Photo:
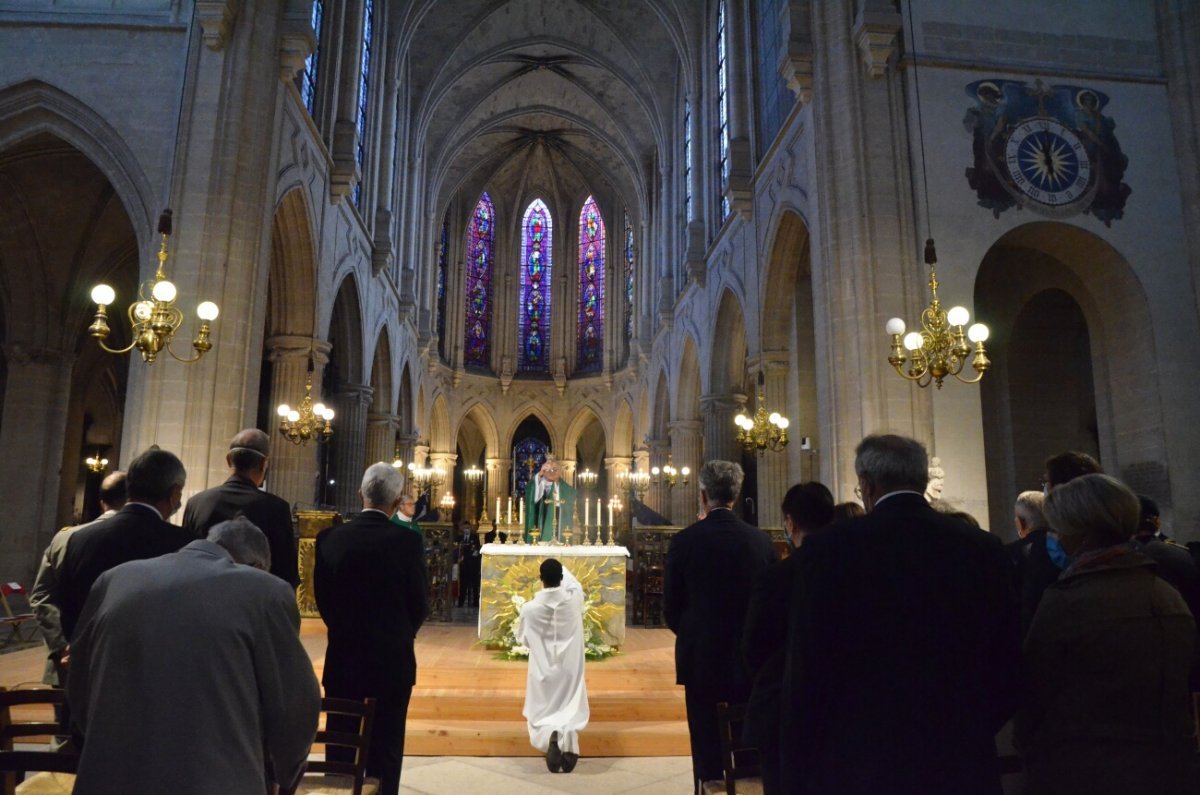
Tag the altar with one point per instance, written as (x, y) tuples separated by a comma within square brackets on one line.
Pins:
[(510, 570)]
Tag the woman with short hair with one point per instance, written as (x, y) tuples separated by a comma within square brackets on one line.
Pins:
[(1107, 658)]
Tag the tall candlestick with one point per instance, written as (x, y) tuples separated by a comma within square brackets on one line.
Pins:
[(521, 512), (498, 514), (510, 510), (586, 506), (610, 521)]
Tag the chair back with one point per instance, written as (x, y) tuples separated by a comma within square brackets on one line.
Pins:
[(358, 740), (14, 764), (738, 760)]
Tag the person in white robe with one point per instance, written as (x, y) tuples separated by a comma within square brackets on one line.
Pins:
[(556, 703)]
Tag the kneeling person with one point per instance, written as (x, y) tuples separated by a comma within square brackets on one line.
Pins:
[(556, 702)]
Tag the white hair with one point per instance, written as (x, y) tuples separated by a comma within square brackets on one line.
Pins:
[(381, 484), (244, 541)]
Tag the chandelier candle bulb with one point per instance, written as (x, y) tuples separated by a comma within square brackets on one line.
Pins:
[(283, 410), (164, 291), (207, 311), (895, 326), (958, 316), (978, 333), (103, 295)]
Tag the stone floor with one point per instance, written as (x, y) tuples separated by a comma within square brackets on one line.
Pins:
[(455, 775)]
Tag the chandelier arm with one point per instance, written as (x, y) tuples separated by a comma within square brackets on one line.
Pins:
[(907, 376), (179, 358), (978, 377), (126, 349)]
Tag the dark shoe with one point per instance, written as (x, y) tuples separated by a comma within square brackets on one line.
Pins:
[(568, 761), (554, 757)]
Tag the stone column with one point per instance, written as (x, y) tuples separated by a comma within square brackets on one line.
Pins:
[(498, 487), (350, 445), (656, 497), (687, 442), (32, 436), (774, 471), (294, 469), (445, 462), (720, 434), (404, 444), (381, 437)]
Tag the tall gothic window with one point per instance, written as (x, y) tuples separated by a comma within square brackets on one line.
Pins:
[(590, 341), (687, 160), (723, 110), (628, 278), (443, 258), (364, 90), (524, 451), (308, 78), (481, 238), (533, 330)]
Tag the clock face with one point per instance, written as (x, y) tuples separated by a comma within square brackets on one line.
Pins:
[(1048, 164)]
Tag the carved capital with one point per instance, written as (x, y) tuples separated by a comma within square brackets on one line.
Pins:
[(875, 34), (216, 18), (797, 70), (344, 174)]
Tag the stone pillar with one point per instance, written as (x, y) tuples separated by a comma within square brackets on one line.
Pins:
[(720, 434), (774, 471), (657, 497), (445, 462), (617, 468), (294, 469), (498, 486), (381, 437), (404, 444), (687, 442), (32, 436), (350, 445)]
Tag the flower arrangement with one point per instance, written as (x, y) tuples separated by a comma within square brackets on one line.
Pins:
[(520, 582)]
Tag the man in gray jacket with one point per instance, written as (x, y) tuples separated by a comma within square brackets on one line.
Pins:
[(187, 673)]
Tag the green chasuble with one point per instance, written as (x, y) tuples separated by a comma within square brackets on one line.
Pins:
[(416, 528), (542, 515)]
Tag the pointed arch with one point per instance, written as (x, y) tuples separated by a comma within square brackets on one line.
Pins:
[(381, 375), (291, 288), (440, 438), (533, 316), (483, 420), (727, 367), (584, 417), (404, 403), (346, 335), (687, 386), (620, 443), (662, 407), (590, 333)]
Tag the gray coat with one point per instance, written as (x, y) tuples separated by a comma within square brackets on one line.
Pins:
[(183, 669)]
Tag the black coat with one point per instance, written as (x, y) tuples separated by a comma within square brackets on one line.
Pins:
[(711, 568), (133, 533), (369, 583), (271, 514), (903, 655), (1035, 572)]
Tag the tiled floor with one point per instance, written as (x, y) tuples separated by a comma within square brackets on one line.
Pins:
[(459, 775)]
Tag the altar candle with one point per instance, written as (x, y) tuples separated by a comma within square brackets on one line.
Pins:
[(498, 514), (610, 522), (521, 513), (586, 506), (510, 510)]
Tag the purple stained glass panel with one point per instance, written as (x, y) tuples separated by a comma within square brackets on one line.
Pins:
[(590, 343), (628, 278), (533, 331), (443, 257), (481, 236)]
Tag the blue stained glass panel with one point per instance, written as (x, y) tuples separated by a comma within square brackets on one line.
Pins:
[(364, 91), (443, 257), (308, 78), (590, 343), (481, 236), (524, 451), (533, 331), (722, 110)]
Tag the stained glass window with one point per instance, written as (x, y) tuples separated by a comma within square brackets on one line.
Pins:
[(481, 237), (628, 278), (364, 86), (590, 342), (533, 330), (723, 109), (443, 257), (687, 159), (526, 450), (308, 78)]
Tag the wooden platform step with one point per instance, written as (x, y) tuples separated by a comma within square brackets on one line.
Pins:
[(511, 738), (493, 706)]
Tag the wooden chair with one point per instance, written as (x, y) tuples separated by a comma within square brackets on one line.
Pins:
[(55, 769), (16, 622), (340, 778), (741, 762)]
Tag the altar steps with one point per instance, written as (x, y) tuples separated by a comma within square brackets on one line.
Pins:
[(468, 703)]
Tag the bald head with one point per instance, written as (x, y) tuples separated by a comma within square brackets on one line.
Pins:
[(248, 452)]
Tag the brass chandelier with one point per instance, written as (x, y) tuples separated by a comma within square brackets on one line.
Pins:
[(308, 421), (767, 430), (96, 463), (154, 318), (939, 349), (668, 475)]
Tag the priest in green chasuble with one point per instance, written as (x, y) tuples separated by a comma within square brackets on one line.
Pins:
[(540, 494), (403, 517)]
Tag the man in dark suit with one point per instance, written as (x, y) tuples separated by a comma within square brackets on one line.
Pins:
[(712, 567), (369, 583), (904, 643), (240, 495), (154, 483)]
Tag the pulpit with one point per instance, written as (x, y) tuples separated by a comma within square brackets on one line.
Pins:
[(309, 524)]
